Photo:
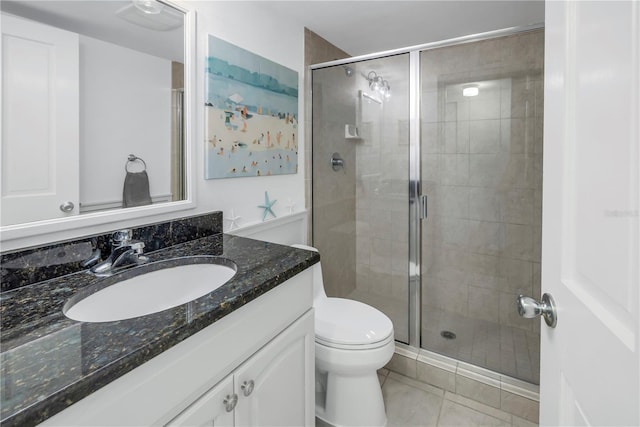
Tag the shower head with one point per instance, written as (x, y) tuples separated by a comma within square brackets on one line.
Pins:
[(348, 70)]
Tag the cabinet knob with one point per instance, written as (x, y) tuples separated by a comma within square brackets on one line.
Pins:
[(247, 387), (230, 402), (67, 207)]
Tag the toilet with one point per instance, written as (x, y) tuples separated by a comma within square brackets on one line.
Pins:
[(352, 341)]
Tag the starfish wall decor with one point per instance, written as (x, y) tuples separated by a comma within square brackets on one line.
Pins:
[(291, 206), (267, 206), (233, 219)]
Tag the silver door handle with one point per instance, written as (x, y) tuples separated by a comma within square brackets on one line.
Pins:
[(529, 307), (423, 207)]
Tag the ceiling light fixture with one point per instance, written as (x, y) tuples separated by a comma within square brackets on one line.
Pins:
[(151, 7), (151, 14), (470, 90), (379, 84)]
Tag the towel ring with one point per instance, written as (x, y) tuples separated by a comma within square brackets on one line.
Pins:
[(133, 158)]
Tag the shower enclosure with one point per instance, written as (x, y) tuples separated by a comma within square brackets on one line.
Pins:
[(427, 190)]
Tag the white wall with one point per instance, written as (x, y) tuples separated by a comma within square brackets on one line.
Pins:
[(131, 114), (254, 27)]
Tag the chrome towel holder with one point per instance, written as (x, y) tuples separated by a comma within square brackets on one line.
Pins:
[(134, 158)]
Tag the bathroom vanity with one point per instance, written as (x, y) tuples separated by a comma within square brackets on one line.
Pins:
[(240, 355)]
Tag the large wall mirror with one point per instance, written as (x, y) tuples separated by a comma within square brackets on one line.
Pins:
[(94, 110)]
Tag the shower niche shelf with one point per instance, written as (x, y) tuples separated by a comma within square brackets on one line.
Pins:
[(352, 132)]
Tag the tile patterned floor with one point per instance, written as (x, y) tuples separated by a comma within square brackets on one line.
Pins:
[(412, 403)]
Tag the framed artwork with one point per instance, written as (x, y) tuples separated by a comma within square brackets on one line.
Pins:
[(251, 106)]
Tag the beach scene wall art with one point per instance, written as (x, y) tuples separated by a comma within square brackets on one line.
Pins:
[(251, 108)]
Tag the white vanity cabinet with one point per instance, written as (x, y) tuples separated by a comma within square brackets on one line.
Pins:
[(267, 390), (215, 408), (267, 343)]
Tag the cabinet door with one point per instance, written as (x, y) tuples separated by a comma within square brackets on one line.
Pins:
[(275, 386), (214, 408), (40, 118)]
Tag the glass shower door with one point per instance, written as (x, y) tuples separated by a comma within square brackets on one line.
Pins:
[(481, 149), (361, 203)]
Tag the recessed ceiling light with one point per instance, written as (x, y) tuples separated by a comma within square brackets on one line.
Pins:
[(165, 19), (152, 7), (470, 90)]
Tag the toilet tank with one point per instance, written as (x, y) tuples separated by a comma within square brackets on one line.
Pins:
[(318, 282), (289, 230)]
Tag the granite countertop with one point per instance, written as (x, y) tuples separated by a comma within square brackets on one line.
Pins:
[(49, 361)]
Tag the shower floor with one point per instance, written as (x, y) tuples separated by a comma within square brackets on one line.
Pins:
[(508, 350)]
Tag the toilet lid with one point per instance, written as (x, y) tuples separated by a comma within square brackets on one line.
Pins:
[(344, 321)]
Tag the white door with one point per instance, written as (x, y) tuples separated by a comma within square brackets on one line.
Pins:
[(40, 133), (590, 368)]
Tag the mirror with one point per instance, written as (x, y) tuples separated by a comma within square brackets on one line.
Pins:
[(94, 111)]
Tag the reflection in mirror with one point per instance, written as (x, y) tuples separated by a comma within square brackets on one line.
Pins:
[(92, 107)]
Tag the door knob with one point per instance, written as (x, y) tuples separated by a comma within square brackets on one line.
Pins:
[(529, 307)]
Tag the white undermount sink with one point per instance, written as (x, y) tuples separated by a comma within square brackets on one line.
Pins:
[(153, 291)]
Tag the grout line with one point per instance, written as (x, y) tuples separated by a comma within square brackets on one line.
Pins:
[(440, 411), (483, 408)]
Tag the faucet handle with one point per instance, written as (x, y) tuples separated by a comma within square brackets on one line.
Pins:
[(121, 237), (137, 246)]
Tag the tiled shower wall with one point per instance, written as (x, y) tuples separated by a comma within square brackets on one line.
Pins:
[(382, 209), (334, 196), (482, 171), (336, 244)]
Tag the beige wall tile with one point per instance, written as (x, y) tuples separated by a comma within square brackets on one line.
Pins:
[(517, 274), (486, 237), (485, 204), (519, 241), (483, 304), (484, 136), (488, 170), (485, 106), (454, 169)]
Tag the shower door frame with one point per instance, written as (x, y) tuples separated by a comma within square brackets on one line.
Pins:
[(418, 202)]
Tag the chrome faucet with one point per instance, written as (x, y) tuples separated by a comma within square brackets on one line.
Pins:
[(124, 252)]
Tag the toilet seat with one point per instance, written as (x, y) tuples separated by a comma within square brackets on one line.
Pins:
[(349, 324)]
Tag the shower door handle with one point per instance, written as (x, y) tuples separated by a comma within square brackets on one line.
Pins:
[(423, 207)]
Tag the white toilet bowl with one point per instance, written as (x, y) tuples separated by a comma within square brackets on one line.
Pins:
[(353, 340)]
